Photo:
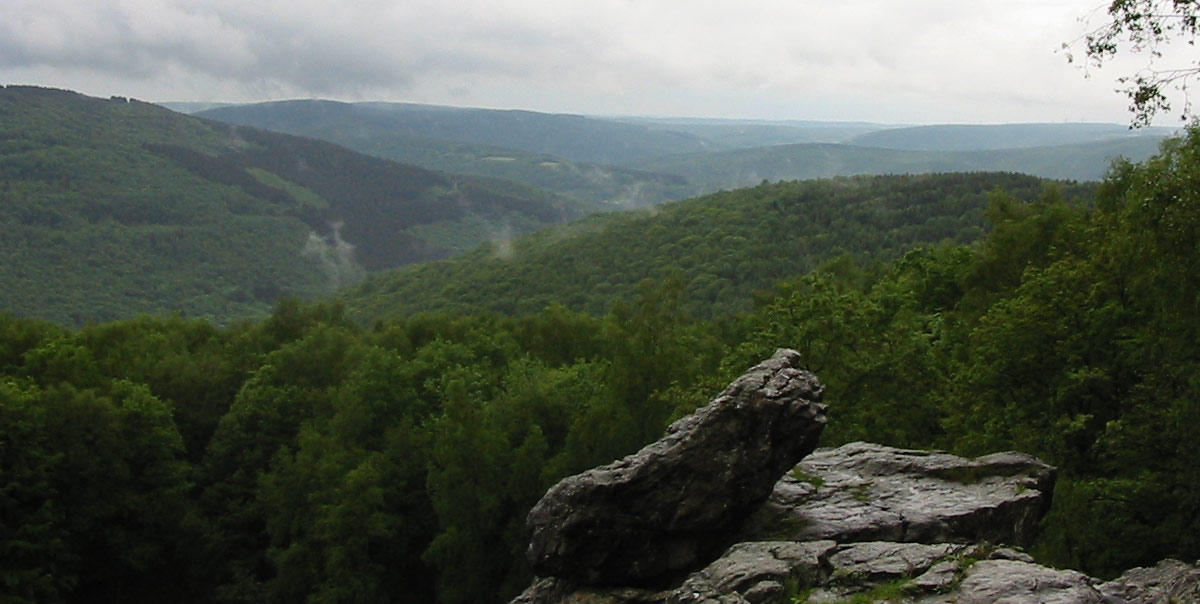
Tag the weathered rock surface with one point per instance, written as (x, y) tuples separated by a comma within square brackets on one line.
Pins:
[(860, 522), (669, 508), (1169, 582), (824, 572), (1021, 582), (756, 572), (868, 492)]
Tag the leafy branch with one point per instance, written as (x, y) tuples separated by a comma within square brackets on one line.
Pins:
[(1144, 26)]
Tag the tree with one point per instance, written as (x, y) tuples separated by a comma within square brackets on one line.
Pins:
[(92, 493), (469, 486), (1146, 26), (349, 516), (293, 385)]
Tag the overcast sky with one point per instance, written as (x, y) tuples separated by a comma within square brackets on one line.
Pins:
[(895, 61)]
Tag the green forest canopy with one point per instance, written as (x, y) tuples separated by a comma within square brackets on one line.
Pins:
[(726, 247), (307, 458)]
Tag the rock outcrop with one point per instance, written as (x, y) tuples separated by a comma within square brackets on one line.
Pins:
[(868, 492), (860, 522), (670, 507)]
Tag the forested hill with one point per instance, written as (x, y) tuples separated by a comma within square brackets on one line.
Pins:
[(406, 133), (725, 247), (623, 162), (573, 137), (980, 137), (745, 167), (743, 133), (113, 207)]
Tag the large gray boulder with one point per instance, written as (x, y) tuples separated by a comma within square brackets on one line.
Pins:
[(669, 508)]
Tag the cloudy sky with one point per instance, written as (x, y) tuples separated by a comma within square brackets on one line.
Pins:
[(896, 61)]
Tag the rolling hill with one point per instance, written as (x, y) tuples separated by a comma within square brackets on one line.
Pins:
[(664, 159), (743, 133), (726, 247), (110, 208), (980, 137), (385, 131), (745, 167), (115, 207), (571, 137)]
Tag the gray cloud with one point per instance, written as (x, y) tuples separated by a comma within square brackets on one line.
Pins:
[(913, 60)]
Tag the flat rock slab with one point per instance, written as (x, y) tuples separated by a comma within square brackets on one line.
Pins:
[(869, 492), (885, 560), (1168, 582), (1020, 582), (670, 508)]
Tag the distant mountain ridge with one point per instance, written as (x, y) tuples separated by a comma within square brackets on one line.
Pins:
[(745, 167), (985, 137), (622, 161), (572, 137), (384, 130), (740, 134)]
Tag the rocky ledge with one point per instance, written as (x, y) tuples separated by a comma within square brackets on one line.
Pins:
[(688, 520), (867, 492)]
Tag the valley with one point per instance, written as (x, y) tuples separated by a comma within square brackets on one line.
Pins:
[(238, 364)]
